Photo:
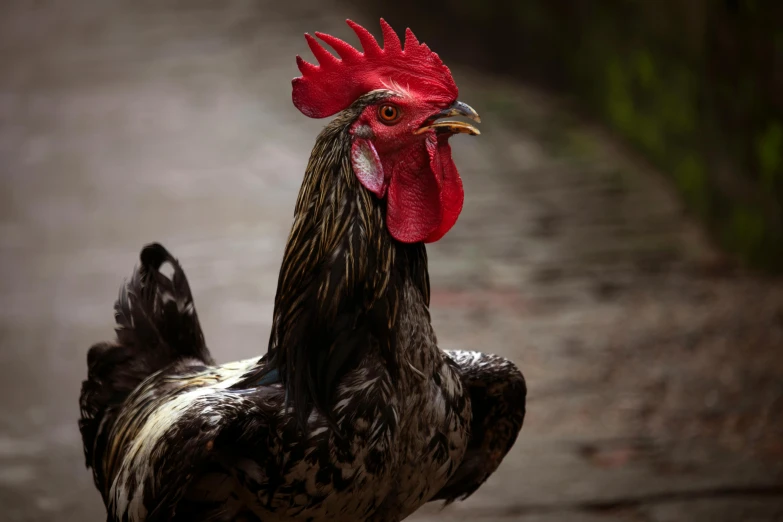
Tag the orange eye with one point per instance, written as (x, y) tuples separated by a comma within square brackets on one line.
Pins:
[(388, 113)]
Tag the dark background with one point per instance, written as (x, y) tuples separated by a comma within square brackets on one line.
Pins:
[(620, 237), (695, 86)]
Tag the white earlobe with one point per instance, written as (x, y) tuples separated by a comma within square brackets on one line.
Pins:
[(367, 166)]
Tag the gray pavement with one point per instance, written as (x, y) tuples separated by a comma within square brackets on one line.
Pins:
[(654, 371)]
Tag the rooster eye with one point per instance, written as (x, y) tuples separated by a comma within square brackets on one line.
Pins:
[(388, 114)]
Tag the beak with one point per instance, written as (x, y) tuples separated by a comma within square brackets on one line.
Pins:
[(452, 127)]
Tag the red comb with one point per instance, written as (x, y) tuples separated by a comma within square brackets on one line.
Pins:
[(334, 84)]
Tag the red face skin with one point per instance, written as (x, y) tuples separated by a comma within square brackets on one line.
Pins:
[(419, 179)]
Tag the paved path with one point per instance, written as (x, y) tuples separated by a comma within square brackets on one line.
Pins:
[(654, 375)]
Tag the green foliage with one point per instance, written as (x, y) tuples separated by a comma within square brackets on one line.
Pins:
[(691, 180), (745, 232), (645, 69), (652, 106), (769, 149), (666, 107)]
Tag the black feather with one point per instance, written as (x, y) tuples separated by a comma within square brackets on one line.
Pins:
[(498, 394), (334, 296), (170, 436), (156, 326)]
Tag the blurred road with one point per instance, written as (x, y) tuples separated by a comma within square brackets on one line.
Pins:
[(655, 375)]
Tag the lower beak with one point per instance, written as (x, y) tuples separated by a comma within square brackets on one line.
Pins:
[(452, 127)]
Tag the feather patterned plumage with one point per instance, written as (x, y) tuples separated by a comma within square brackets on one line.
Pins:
[(354, 414)]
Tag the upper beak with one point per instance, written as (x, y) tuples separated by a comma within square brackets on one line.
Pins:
[(453, 127)]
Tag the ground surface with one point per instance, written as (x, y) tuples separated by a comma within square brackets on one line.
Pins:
[(654, 373)]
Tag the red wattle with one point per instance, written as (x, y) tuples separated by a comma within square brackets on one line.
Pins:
[(413, 198), (452, 195), (425, 194)]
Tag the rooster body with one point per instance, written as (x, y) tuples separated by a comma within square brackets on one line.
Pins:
[(354, 414)]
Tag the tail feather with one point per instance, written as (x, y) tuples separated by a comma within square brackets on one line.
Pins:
[(156, 326)]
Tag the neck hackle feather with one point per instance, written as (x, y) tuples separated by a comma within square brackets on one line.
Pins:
[(340, 282)]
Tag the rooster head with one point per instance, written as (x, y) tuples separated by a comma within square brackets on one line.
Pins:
[(399, 144)]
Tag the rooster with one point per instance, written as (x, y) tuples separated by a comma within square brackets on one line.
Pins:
[(354, 413)]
